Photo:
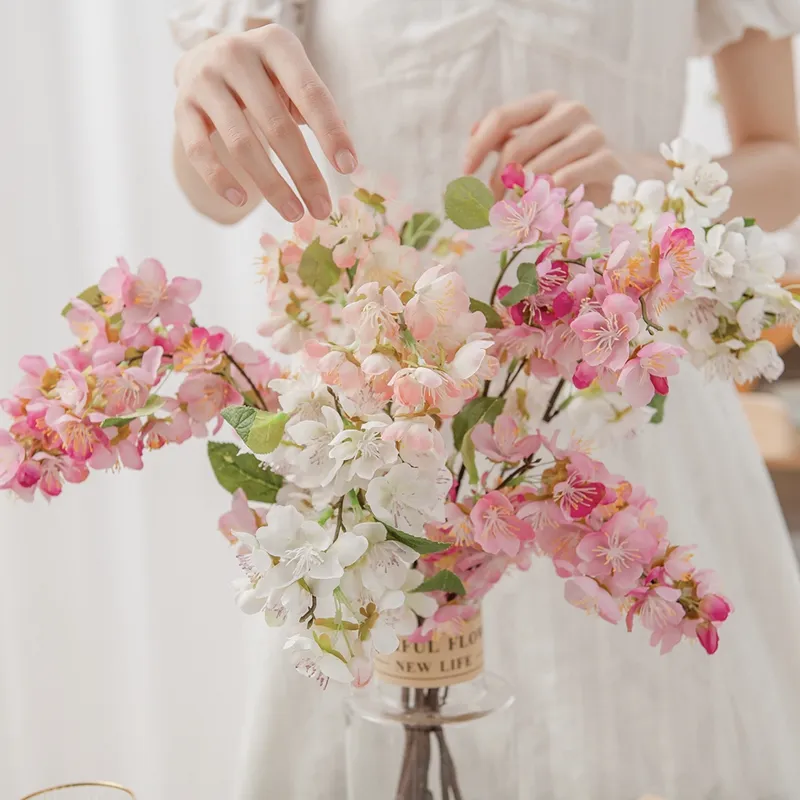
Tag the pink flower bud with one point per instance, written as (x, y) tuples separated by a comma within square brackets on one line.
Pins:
[(715, 608), (513, 175), (708, 636)]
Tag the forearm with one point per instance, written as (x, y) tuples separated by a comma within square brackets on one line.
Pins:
[(202, 197), (764, 176)]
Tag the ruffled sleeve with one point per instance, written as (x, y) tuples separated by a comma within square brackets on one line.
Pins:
[(193, 21), (720, 22)]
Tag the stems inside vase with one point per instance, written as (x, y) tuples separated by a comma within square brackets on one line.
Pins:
[(415, 772)]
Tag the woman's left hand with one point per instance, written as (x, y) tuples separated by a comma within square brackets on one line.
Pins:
[(550, 136)]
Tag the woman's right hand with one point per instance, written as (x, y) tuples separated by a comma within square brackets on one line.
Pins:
[(253, 89)]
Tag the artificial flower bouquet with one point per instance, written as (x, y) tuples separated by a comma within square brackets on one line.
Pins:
[(419, 443)]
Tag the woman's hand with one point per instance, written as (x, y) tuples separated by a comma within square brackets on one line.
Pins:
[(549, 135), (253, 89)]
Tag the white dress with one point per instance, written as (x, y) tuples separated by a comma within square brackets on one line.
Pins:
[(601, 715)]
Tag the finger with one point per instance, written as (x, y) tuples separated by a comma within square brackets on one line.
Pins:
[(532, 140), (498, 125), (286, 58), (194, 136), (244, 146), (582, 142), (252, 84), (594, 169)]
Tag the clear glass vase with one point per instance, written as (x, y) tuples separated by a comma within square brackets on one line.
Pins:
[(447, 734)]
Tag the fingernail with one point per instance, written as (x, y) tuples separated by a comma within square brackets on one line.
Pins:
[(235, 197), (292, 210), (320, 206), (345, 161)]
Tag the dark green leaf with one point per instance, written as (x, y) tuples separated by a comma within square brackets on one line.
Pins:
[(418, 230), (422, 546), (317, 268), (467, 202), (481, 409), (93, 296), (749, 222), (153, 403), (236, 470), (492, 317), (658, 402), (443, 581)]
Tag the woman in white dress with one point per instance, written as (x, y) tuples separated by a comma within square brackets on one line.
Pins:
[(582, 89)]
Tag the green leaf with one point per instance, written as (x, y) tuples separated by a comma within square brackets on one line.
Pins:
[(317, 268), (749, 222), (373, 200), (154, 402), (418, 230), (526, 273), (260, 430), (93, 296), (468, 457), (241, 419), (235, 470), (443, 581), (267, 431), (528, 284), (492, 317), (658, 402), (478, 410), (467, 202), (422, 546)]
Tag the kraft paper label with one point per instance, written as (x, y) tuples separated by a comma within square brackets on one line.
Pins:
[(444, 661)]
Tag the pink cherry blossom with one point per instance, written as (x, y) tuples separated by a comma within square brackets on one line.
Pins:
[(656, 606), (502, 443), (12, 454), (497, 528), (620, 549), (348, 234), (240, 519), (147, 294), (577, 496), (198, 348), (606, 334), (440, 298), (646, 373), (522, 222), (587, 594), (206, 395)]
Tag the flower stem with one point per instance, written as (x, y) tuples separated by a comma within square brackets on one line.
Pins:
[(339, 524), (503, 269), (551, 411), (651, 326), (262, 404)]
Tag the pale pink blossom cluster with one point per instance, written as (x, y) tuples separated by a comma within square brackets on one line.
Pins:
[(101, 402)]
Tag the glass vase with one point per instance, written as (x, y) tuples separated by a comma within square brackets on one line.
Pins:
[(433, 726)]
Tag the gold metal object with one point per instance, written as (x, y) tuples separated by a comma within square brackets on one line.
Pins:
[(97, 784)]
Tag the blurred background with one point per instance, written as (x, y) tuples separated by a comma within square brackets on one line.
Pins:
[(122, 656)]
